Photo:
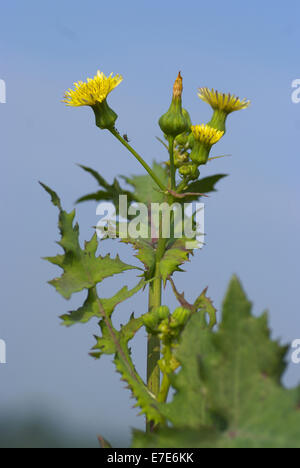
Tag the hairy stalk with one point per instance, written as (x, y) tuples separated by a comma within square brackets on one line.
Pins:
[(139, 158), (172, 163)]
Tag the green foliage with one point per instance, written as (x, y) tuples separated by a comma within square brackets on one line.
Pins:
[(108, 192), (175, 255), (90, 307), (145, 253), (84, 270), (145, 189), (228, 391), (202, 186)]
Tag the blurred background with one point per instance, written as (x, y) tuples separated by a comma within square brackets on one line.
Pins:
[(51, 392)]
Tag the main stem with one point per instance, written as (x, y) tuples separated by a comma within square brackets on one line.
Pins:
[(155, 289), (153, 343)]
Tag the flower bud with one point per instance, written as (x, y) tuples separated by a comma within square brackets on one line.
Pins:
[(190, 171), (182, 139), (173, 122), (163, 312), (180, 158), (180, 316), (150, 321)]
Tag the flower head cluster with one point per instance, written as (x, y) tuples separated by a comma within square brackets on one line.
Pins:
[(203, 137), (94, 90), (206, 134), (221, 101)]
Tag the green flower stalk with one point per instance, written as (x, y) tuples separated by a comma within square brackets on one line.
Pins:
[(204, 137), (222, 104)]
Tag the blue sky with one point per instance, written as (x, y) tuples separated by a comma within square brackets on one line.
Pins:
[(252, 223)]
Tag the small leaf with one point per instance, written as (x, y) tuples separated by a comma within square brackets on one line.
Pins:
[(205, 185), (111, 192)]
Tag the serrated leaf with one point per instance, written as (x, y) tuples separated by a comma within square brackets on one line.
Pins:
[(228, 390), (90, 307), (205, 185), (115, 342), (108, 192), (104, 343), (145, 253), (54, 197), (82, 268)]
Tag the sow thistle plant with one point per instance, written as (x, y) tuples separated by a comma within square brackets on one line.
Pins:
[(225, 379)]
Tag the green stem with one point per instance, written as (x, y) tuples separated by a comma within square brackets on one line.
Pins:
[(172, 163), (153, 344), (164, 390), (139, 158)]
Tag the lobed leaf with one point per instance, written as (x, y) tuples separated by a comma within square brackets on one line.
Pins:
[(228, 393), (82, 268)]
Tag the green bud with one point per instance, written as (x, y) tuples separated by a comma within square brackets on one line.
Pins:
[(163, 328), (173, 122), (180, 316), (105, 116), (180, 158), (190, 170), (182, 139), (163, 312), (150, 321)]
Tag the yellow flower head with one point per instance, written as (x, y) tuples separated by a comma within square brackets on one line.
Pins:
[(206, 134), (93, 91), (221, 101)]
